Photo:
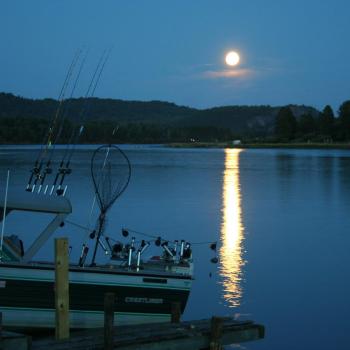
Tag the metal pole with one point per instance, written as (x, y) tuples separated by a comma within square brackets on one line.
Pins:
[(101, 222)]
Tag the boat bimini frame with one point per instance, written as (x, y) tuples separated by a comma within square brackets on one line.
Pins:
[(26, 201)]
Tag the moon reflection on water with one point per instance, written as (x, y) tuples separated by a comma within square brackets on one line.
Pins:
[(232, 230)]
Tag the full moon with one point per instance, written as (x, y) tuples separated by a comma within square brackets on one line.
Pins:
[(232, 58)]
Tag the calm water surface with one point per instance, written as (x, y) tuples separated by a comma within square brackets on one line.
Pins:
[(281, 218)]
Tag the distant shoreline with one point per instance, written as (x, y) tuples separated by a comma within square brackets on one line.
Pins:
[(221, 145), (260, 145)]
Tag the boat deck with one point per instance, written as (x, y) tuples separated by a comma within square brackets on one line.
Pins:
[(160, 269)]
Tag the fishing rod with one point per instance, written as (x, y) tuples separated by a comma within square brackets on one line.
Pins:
[(69, 100), (65, 163), (64, 168), (60, 116), (83, 108), (65, 113), (36, 171), (39, 162)]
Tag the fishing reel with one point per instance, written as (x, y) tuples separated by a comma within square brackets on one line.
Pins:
[(124, 252), (120, 251), (187, 252), (170, 253)]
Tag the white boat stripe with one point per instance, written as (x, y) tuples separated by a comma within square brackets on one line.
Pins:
[(136, 285)]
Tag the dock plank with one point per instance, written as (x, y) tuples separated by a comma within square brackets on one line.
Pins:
[(168, 336)]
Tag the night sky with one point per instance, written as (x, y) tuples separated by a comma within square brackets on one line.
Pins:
[(292, 51)]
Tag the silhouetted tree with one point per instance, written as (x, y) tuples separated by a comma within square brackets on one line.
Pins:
[(286, 124), (306, 125), (344, 119), (327, 123)]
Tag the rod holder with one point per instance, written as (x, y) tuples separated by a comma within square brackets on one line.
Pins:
[(182, 246), (131, 250), (166, 248), (175, 246), (138, 260), (144, 246), (83, 255)]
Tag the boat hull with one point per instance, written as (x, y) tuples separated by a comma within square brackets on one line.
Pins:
[(27, 296)]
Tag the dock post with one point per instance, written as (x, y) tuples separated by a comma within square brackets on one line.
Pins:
[(215, 333), (175, 312), (109, 320), (62, 288)]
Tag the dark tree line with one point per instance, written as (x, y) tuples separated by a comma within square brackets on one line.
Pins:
[(25, 120), (33, 130), (28, 130), (324, 127), (97, 132), (242, 120)]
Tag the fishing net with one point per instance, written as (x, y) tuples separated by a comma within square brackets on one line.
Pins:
[(110, 171)]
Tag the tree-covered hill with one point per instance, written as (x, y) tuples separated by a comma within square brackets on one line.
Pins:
[(80, 109), (24, 120), (240, 120)]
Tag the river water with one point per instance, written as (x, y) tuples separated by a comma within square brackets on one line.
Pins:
[(280, 217)]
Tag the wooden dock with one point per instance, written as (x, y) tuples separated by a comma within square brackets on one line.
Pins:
[(202, 334)]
